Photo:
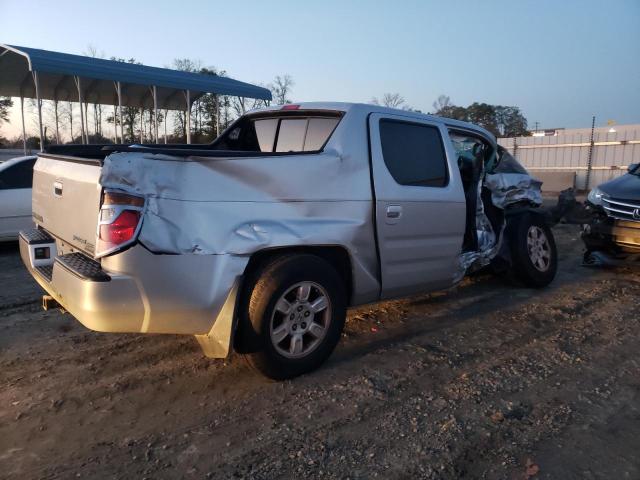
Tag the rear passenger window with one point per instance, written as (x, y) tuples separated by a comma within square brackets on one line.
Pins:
[(414, 153)]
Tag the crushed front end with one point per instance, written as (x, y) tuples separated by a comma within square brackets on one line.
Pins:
[(612, 234)]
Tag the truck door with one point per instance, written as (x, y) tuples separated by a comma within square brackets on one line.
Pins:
[(420, 204)]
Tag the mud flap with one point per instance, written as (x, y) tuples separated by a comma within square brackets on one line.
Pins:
[(217, 343)]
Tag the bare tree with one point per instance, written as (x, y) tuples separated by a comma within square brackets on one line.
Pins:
[(92, 51), (391, 100), (180, 123), (67, 117), (281, 89), (442, 102)]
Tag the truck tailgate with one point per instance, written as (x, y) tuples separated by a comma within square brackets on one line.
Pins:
[(66, 199)]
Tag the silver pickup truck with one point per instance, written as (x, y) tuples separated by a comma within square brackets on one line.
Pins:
[(260, 241)]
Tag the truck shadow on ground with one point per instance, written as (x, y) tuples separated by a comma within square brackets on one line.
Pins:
[(429, 314)]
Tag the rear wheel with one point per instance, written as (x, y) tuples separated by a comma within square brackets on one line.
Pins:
[(297, 309), (534, 257)]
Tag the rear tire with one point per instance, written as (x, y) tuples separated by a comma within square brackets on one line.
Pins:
[(534, 257), (296, 311)]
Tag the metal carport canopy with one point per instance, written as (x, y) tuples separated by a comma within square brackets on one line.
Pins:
[(56, 72), (45, 75)]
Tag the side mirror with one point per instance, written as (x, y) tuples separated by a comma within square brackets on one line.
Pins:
[(632, 167)]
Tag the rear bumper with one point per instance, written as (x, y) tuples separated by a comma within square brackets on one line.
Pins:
[(138, 291)]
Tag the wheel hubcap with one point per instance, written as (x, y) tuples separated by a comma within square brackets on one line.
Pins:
[(538, 248), (300, 319)]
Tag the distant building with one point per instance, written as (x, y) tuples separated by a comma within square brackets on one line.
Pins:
[(554, 132), (547, 132)]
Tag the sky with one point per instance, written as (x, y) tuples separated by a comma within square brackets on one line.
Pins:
[(559, 61)]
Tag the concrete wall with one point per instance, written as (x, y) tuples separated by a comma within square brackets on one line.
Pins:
[(568, 152)]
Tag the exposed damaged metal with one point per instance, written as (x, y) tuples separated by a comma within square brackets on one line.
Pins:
[(510, 183)]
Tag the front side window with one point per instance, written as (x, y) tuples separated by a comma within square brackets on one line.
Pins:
[(414, 153), (18, 175)]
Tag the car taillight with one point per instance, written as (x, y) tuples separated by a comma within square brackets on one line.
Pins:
[(121, 229), (119, 222)]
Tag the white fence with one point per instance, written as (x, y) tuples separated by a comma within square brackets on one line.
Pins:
[(611, 153)]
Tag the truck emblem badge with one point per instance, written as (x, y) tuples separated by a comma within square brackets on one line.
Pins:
[(636, 214)]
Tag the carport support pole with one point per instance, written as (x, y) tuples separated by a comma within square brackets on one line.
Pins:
[(80, 100), (24, 132), (55, 106), (119, 89), (155, 111), (115, 124), (141, 124), (166, 112), (188, 116), (39, 103), (217, 116)]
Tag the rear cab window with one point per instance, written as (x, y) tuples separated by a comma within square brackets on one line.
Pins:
[(414, 153), (280, 131)]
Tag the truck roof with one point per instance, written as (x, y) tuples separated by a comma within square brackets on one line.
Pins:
[(370, 108)]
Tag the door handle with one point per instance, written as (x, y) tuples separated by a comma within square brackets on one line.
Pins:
[(394, 211)]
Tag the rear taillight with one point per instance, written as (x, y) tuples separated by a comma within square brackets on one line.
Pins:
[(121, 229), (119, 222)]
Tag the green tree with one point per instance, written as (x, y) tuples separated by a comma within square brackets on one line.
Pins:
[(484, 115), (443, 107), (511, 122), (502, 121)]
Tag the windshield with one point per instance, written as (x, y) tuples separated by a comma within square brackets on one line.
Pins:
[(279, 132)]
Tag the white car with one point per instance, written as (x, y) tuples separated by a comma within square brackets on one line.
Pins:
[(16, 178)]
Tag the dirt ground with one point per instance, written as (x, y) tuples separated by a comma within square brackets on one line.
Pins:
[(484, 381)]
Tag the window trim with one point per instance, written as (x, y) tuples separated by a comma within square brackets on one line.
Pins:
[(442, 147)]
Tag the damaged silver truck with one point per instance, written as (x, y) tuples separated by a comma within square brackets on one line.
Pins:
[(260, 241)]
